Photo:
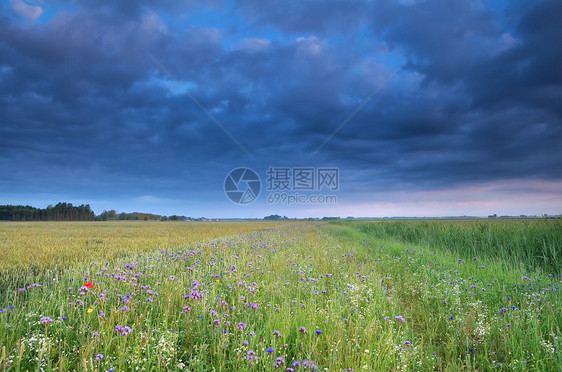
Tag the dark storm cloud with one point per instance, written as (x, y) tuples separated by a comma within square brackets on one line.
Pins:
[(80, 78), (488, 106), (529, 74), (478, 100), (312, 16)]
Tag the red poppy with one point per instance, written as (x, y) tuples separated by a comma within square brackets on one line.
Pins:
[(89, 284)]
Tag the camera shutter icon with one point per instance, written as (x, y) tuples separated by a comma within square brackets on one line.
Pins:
[(242, 185)]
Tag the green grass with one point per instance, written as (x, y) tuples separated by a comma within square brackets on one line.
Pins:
[(533, 242), (432, 283), (343, 279)]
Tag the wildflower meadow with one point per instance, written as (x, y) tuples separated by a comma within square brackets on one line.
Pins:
[(293, 296)]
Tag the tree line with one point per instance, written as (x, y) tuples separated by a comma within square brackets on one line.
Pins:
[(112, 215), (69, 212), (60, 212)]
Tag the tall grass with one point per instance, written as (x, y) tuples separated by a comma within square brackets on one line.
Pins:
[(531, 242)]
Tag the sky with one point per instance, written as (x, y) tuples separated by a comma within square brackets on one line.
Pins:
[(412, 107)]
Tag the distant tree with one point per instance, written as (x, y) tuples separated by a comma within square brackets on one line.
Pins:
[(60, 212), (104, 216), (68, 212), (275, 217)]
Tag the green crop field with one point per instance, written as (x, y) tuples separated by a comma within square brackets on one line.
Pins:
[(293, 296)]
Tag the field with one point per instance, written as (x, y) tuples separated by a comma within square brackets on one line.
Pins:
[(33, 250), (295, 296)]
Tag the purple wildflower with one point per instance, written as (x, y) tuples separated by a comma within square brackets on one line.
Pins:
[(251, 354), (279, 362), (123, 330)]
